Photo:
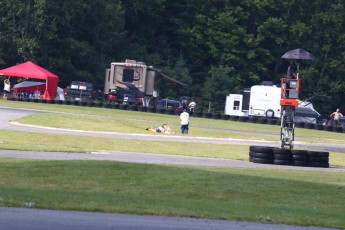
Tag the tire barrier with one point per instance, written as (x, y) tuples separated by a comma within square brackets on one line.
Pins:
[(319, 127), (170, 111), (243, 119), (152, 109), (215, 115), (279, 156), (206, 115), (309, 125), (271, 121), (123, 107), (133, 107), (224, 117), (262, 120), (142, 108), (234, 118), (197, 114), (252, 119)]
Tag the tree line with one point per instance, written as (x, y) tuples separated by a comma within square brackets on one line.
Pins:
[(216, 46)]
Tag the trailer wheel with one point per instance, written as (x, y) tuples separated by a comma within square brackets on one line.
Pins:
[(270, 113)]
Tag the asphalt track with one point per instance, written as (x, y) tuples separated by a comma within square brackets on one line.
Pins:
[(18, 218)]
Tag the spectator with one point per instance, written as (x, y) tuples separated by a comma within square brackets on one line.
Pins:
[(292, 71), (191, 107), (184, 118), (7, 87), (336, 115)]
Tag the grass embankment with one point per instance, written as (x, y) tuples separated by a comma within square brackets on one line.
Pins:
[(274, 196)]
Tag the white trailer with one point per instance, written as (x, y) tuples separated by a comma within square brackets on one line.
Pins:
[(260, 100), (264, 101)]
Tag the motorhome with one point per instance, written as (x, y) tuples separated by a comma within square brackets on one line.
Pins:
[(264, 101)]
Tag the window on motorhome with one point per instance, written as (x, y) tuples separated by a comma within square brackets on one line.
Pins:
[(128, 75)]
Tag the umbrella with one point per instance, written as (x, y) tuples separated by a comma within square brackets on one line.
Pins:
[(298, 54)]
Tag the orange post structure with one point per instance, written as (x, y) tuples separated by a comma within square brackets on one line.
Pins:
[(289, 91)]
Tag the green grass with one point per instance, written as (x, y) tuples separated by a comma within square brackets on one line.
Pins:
[(275, 196), (298, 197)]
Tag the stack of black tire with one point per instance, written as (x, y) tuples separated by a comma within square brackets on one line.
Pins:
[(280, 156)]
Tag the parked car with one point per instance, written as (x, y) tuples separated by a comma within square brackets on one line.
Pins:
[(79, 91), (330, 122), (170, 104), (130, 96)]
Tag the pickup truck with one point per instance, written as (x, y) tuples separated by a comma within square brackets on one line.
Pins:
[(79, 91)]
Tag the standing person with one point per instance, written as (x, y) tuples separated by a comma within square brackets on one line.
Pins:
[(184, 118), (7, 87), (291, 71), (191, 107), (336, 115)]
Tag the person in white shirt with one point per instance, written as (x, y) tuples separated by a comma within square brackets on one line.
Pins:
[(184, 118), (191, 107), (7, 87)]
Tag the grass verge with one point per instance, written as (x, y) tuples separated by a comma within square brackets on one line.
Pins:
[(292, 197)]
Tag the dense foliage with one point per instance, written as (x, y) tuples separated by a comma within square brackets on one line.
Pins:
[(217, 46)]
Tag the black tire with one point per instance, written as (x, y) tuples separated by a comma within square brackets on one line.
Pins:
[(215, 115), (142, 108), (328, 128), (323, 165), (338, 129), (281, 151), (282, 162), (225, 117), (260, 149), (262, 120), (324, 159), (312, 158), (251, 153), (299, 163), (133, 107), (282, 157), (263, 155), (234, 118), (299, 157), (243, 119), (152, 109), (262, 160), (252, 147), (313, 164), (251, 159), (299, 152), (319, 127), (318, 153), (123, 106), (206, 115), (253, 119), (269, 113), (271, 121)]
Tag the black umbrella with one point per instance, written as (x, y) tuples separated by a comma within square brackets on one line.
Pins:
[(298, 54)]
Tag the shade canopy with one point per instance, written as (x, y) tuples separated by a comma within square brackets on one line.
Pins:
[(31, 70)]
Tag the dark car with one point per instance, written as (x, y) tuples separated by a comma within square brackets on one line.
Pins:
[(130, 95), (170, 104), (341, 123)]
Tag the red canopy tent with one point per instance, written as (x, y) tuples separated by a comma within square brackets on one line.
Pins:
[(31, 70)]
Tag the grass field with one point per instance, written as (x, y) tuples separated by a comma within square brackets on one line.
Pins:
[(314, 198)]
